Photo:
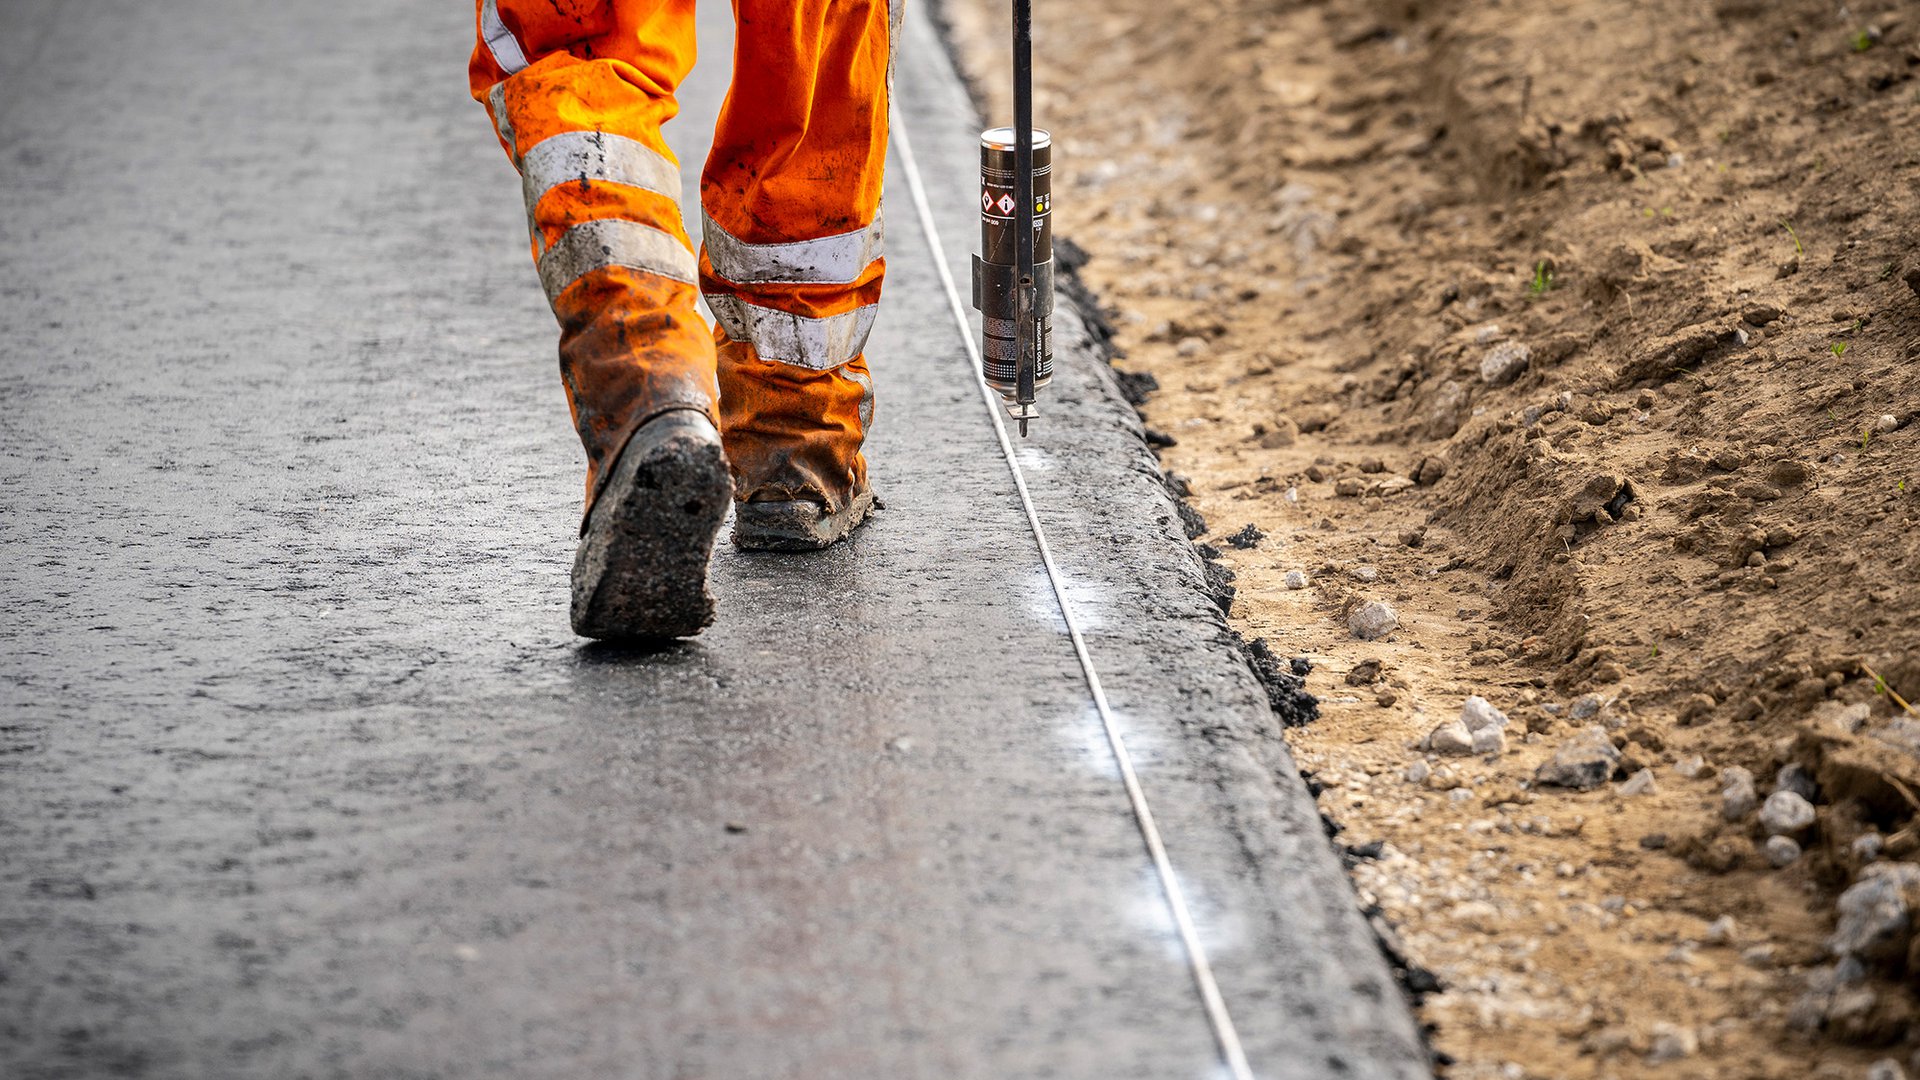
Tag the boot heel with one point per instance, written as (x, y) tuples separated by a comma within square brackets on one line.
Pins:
[(641, 569)]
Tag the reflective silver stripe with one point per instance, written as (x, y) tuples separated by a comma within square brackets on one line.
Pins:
[(573, 156), (500, 40), (497, 101), (866, 399), (828, 260), (595, 245), (895, 9), (819, 344)]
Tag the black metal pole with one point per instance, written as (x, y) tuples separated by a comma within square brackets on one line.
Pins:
[(1025, 329)]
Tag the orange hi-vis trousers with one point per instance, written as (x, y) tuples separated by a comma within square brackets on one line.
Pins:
[(791, 261)]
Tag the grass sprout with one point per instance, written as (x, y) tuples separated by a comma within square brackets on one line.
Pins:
[(1542, 282)]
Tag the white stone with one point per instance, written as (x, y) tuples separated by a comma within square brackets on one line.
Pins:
[(1418, 772), (1478, 713), (1797, 779), (1782, 850), (1886, 1069), (1583, 762), (1887, 423), (1587, 706), (1489, 740), (1720, 931), (1689, 767), (1671, 1043), (1504, 363), (1295, 580), (1785, 812), (1868, 846), (1738, 796), (1875, 921), (1373, 620), (1640, 783), (1451, 738)]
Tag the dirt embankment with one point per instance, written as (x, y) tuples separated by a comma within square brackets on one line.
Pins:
[(1584, 337)]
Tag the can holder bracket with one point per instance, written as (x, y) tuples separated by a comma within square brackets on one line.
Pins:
[(995, 288)]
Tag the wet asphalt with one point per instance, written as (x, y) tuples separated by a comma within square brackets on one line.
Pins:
[(302, 773)]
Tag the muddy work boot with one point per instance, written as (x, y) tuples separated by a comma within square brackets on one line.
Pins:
[(793, 439), (798, 524), (641, 570)]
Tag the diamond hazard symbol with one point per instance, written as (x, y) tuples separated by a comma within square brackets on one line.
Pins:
[(1006, 204), (986, 200)]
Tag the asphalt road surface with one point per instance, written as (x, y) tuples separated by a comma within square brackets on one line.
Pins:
[(302, 773)]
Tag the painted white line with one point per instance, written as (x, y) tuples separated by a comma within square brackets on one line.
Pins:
[(1224, 1033)]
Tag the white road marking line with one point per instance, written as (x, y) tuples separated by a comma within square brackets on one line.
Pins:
[(1224, 1032)]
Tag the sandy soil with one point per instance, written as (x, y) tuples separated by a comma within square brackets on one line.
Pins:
[(1586, 337)]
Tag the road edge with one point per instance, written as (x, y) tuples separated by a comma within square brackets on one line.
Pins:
[(1121, 394)]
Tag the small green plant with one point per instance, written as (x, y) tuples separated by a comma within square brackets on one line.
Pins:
[(1542, 282), (1863, 40), (1838, 348), (1866, 436), (1794, 236), (1887, 271)]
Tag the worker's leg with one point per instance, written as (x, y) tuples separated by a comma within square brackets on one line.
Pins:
[(792, 263), (578, 90)]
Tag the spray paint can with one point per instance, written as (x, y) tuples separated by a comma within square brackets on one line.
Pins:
[(995, 270)]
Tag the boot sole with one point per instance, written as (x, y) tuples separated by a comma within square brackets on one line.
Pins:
[(641, 569), (797, 525)]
